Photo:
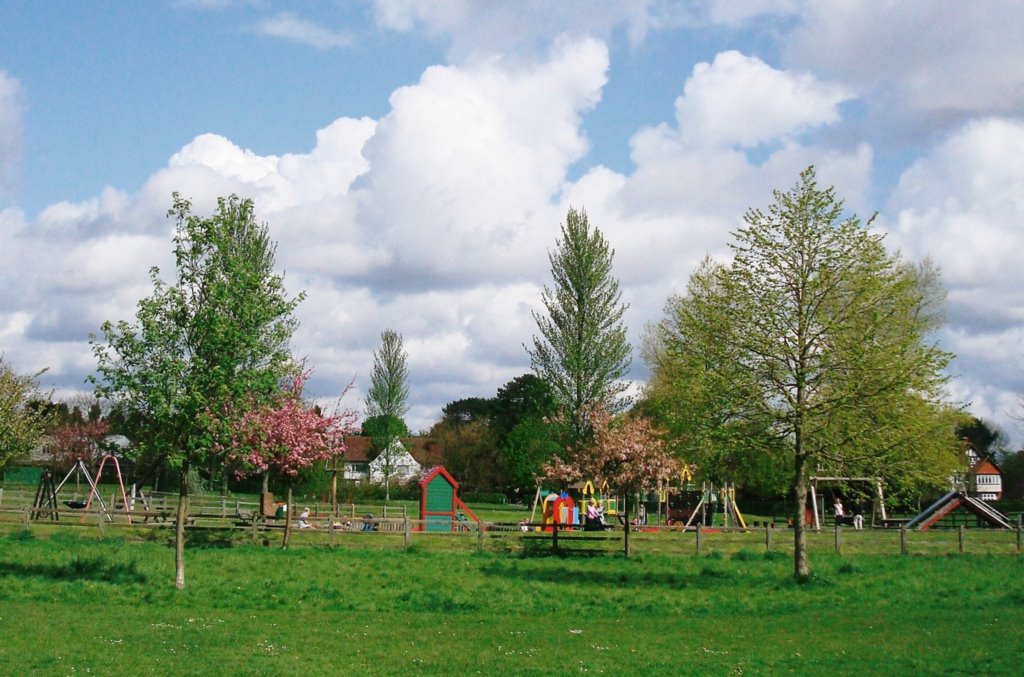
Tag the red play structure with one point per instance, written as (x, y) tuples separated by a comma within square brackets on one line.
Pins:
[(441, 509)]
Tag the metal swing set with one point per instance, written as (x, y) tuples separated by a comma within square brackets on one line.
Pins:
[(46, 496)]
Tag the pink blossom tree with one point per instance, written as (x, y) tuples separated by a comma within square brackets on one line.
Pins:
[(77, 441), (628, 453), (286, 435)]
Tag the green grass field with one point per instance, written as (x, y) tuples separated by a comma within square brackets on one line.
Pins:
[(73, 603)]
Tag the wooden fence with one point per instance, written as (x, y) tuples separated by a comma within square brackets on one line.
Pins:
[(382, 526)]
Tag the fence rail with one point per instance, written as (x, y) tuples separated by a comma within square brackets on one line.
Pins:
[(358, 526)]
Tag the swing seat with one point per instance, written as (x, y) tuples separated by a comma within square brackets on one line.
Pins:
[(75, 505)]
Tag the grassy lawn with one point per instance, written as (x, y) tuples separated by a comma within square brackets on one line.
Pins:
[(73, 603)]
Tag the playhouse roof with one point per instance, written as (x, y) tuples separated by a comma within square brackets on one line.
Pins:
[(439, 470)]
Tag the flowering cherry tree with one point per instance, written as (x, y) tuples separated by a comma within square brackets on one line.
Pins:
[(77, 441), (629, 454), (286, 435)]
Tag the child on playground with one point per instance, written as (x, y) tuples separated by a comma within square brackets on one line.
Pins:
[(304, 522), (858, 516)]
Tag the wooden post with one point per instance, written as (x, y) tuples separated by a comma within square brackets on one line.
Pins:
[(24, 517), (330, 529), (700, 529), (1020, 524), (903, 539), (480, 536), (767, 537), (960, 538), (255, 519), (223, 506), (838, 548), (405, 532), (99, 523), (554, 535)]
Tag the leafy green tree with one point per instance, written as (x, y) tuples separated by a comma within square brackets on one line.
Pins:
[(202, 349), (817, 342), (384, 426), (21, 426), (470, 454), (533, 442), (387, 399), (582, 351), (522, 418), (985, 437), (524, 397), (467, 410), (698, 393), (1012, 466)]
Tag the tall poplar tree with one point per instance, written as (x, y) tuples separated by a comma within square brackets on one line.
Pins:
[(203, 348), (582, 351), (387, 400)]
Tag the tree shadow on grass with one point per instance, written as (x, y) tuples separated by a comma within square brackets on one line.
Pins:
[(78, 569), (708, 577), (208, 538)]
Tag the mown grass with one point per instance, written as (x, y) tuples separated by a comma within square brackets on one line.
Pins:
[(72, 604)]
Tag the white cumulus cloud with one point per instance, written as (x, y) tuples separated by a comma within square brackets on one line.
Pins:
[(962, 204)]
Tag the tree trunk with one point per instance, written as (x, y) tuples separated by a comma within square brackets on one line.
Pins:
[(628, 527), (801, 566), (266, 481), (179, 530), (288, 519)]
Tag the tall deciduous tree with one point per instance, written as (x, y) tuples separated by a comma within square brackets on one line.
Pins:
[(582, 351), (387, 399), (21, 425), (699, 393), (211, 342), (629, 454), (818, 340)]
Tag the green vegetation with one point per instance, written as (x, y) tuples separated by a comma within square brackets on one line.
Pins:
[(814, 350), (21, 425), (204, 349), (74, 604), (582, 351)]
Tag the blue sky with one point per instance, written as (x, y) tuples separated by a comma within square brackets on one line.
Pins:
[(414, 160)]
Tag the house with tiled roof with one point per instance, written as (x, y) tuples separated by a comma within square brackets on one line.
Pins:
[(985, 479), (407, 458)]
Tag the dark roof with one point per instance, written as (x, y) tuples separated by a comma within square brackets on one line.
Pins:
[(424, 450)]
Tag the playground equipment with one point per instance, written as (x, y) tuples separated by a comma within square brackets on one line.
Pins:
[(441, 509), (726, 495), (877, 503), (46, 495), (559, 509), (957, 499), (609, 503)]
